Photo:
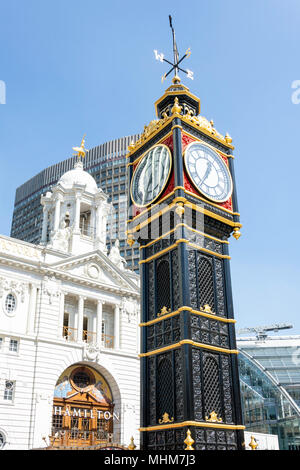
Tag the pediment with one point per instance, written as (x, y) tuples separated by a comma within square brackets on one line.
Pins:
[(95, 268)]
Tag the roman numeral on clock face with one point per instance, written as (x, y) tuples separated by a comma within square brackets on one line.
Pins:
[(208, 172)]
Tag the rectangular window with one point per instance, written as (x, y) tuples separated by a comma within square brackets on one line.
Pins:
[(57, 422), (9, 390), (13, 345)]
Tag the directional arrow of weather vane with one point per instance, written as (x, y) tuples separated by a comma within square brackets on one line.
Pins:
[(177, 61)]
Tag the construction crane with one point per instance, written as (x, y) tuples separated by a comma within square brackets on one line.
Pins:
[(261, 331)]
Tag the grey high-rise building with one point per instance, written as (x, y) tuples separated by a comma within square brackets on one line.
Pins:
[(107, 164)]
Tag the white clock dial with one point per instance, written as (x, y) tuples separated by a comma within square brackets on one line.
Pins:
[(151, 175), (208, 172)]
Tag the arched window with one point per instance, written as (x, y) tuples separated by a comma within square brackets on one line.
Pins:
[(206, 283), (163, 285), (212, 397), (10, 303), (165, 402), (2, 440)]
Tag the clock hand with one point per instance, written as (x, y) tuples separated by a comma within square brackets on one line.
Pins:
[(208, 170)]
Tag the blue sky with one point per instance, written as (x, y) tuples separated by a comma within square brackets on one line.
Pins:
[(74, 67)]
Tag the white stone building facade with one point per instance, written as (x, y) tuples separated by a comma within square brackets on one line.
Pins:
[(67, 303)]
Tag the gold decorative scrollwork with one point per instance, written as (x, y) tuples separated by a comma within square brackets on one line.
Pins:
[(154, 126), (203, 123), (207, 309), (213, 418), (163, 311), (166, 419)]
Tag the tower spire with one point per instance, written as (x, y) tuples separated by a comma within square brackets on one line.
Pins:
[(176, 60), (175, 49)]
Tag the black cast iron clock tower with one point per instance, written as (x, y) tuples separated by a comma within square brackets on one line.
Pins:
[(183, 210)]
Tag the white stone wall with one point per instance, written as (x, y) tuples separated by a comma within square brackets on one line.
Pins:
[(43, 354)]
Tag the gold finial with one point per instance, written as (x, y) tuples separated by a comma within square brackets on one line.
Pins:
[(189, 441), (131, 146), (176, 80), (132, 445), (130, 239), (236, 233), (165, 419), (180, 209), (176, 108), (228, 139), (207, 309), (253, 444), (213, 418), (81, 151)]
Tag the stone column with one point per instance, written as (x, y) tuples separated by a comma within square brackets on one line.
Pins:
[(93, 222), (77, 215), (31, 309), (45, 224), (117, 327), (99, 322), (98, 221), (57, 214), (80, 318), (61, 315)]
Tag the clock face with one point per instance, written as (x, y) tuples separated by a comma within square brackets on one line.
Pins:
[(208, 172), (151, 175)]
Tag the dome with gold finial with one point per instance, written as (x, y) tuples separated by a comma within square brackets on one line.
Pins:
[(78, 176)]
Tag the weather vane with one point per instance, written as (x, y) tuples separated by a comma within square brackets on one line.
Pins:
[(80, 151), (177, 61)]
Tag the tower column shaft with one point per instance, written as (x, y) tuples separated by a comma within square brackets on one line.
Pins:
[(99, 321), (57, 214), (45, 224), (61, 314), (77, 215), (32, 309), (80, 318), (117, 327)]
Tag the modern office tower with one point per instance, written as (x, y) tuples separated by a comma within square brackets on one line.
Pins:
[(107, 164)]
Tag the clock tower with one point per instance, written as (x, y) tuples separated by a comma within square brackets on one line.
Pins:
[(183, 211)]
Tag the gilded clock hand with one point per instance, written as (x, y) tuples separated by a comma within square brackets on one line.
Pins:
[(207, 172)]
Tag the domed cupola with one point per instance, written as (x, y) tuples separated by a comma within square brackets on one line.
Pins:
[(78, 176), (75, 212)]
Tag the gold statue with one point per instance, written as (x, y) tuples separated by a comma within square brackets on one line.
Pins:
[(81, 151)]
